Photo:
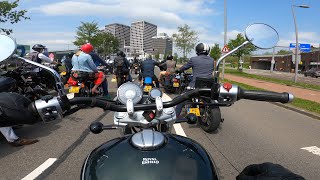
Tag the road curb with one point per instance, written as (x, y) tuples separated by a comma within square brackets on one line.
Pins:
[(306, 113)]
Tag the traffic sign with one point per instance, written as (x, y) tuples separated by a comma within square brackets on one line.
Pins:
[(225, 49), (302, 47)]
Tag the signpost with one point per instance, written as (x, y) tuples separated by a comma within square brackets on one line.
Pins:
[(225, 49)]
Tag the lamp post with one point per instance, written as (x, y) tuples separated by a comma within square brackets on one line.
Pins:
[(225, 36), (297, 41)]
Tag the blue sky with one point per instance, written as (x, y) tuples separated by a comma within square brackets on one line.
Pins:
[(53, 22)]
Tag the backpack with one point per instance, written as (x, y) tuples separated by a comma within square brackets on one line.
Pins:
[(119, 65), (14, 110), (35, 58)]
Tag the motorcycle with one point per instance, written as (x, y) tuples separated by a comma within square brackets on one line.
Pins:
[(171, 83), (149, 149), (81, 85), (136, 68), (23, 81), (185, 79), (147, 85)]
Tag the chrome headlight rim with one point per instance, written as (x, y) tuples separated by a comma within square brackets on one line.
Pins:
[(127, 91)]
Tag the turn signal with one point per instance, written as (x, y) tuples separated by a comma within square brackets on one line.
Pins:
[(227, 86)]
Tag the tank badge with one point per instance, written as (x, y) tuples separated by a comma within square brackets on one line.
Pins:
[(149, 161)]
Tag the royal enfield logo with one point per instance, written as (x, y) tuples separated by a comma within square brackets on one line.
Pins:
[(150, 161)]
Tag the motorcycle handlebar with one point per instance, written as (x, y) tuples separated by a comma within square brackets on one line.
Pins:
[(138, 107), (265, 96), (242, 94)]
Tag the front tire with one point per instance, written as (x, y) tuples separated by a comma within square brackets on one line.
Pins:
[(210, 119)]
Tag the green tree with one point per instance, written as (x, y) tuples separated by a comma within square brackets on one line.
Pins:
[(215, 52), (157, 56), (8, 12), (106, 43), (233, 43), (185, 39), (283, 52), (175, 57), (87, 31)]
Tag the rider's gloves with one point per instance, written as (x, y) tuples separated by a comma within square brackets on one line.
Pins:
[(267, 171)]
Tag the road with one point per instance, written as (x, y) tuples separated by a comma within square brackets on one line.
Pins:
[(284, 76), (253, 132)]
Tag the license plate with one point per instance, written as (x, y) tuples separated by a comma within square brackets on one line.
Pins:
[(176, 84), (63, 73), (147, 88), (74, 89), (195, 111)]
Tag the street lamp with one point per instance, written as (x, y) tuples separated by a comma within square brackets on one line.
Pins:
[(297, 41)]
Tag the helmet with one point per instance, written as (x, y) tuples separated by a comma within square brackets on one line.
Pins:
[(38, 47), (121, 53), (169, 57), (202, 48), (87, 48), (70, 54)]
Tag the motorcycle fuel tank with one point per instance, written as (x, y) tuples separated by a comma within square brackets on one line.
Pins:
[(176, 158)]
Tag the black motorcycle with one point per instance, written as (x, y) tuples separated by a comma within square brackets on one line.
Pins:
[(152, 152), (25, 82)]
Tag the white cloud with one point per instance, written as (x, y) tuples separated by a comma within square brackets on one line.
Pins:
[(312, 38)]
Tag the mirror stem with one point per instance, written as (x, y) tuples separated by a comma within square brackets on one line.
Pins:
[(216, 72), (57, 78)]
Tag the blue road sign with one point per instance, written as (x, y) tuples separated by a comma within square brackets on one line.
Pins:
[(303, 47)]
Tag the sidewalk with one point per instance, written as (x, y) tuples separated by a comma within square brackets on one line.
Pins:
[(297, 92)]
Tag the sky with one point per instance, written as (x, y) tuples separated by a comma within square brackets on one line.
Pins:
[(53, 22)]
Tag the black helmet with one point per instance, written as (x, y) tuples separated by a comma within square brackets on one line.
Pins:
[(202, 48), (70, 54), (38, 47), (121, 53), (169, 57)]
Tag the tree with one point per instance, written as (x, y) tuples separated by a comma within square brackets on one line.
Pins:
[(175, 57), (185, 39), (106, 43), (9, 13), (157, 56), (86, 32), (233, 43), (283, 52), (215, 52)]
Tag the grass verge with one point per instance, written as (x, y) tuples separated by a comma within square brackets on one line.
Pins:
[(297, 102), (274, 80)]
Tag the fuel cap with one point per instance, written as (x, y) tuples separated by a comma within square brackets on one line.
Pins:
[(147, 139)]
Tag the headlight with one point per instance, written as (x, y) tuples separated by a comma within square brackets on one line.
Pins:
[(129, 91), (155, 92)]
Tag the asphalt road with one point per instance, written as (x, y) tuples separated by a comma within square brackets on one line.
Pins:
[(284, 76), (253, 132)]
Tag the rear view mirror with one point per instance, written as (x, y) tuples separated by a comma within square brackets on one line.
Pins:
[(262, 36), (7, 47)]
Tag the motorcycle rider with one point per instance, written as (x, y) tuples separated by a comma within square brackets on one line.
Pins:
[(98, 61), (170, 67), (202, 66), (147, 70), (82, 63), (121, 67)]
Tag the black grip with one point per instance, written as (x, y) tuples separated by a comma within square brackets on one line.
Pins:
[(264, 96)]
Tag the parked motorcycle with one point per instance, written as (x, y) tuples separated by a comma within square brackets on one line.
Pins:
[(151, 151)]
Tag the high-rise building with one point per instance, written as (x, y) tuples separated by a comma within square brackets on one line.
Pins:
[(141, 34), (120, 31), (162, 44)]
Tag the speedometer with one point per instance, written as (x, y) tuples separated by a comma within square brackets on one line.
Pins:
[(131, 91)]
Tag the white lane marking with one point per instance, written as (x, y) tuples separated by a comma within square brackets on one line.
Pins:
[(35, 173), (313, 149), (177, 127)]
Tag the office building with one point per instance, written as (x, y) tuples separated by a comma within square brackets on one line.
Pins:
[(162, 44), (121, 32), (141, 34)]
